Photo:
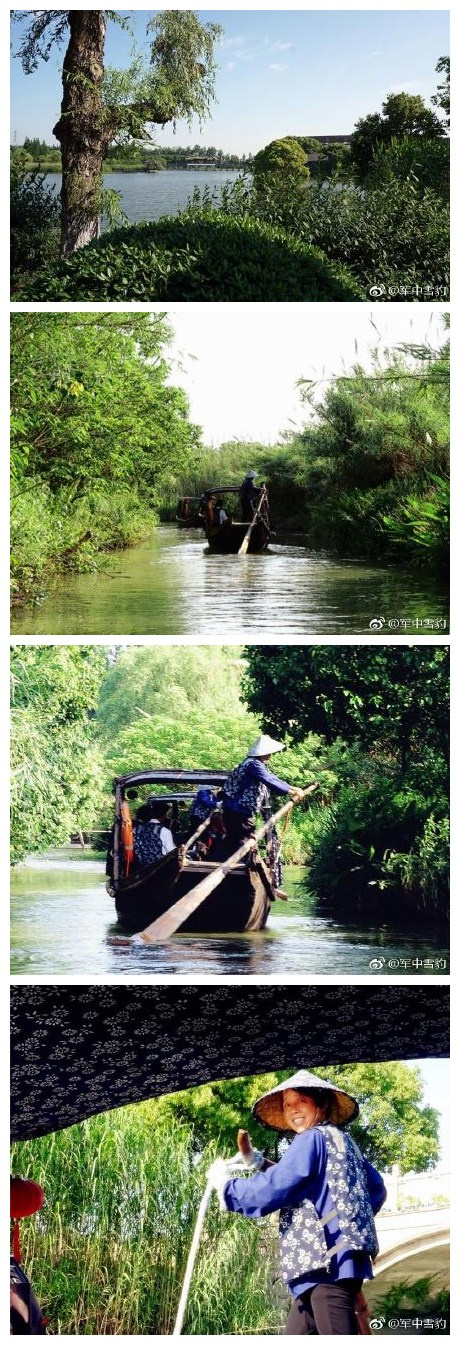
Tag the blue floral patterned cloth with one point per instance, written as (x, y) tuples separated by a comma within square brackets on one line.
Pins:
[(80, 1049), (247, 787), (327, 1194), (148, 845)]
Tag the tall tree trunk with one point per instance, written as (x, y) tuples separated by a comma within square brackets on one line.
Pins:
[(81, 130)]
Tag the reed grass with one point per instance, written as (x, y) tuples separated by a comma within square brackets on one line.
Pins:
[(108, 1252)]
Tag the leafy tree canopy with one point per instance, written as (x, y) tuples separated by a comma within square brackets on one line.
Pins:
[(442, 96), (374, 696), (403, 114), (177, 81), (54, 761), (203, 679), (393, 1125), (91, 402), (284, 158)]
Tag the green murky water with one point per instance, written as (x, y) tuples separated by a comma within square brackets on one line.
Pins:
[(172, 585), (62, 924)]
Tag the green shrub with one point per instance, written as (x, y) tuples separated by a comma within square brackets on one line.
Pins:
[(425, 869), (34, 219), (393, 238), (394, 235), (425, 163), (57, 532), (284, 159), (201, 255), (420, 527), (363, 846)]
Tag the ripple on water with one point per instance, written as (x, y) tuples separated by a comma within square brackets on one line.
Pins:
[(62, 924), (175, 586)]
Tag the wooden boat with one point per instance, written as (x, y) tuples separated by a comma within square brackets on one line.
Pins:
[(226, 538), (189, 514), (242, 900)]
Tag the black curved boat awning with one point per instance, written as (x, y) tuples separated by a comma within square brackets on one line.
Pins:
[(172, 777), (78, 1050)]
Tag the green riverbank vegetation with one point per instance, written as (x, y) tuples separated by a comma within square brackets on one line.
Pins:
[(102, 446), (129, 157), (98, 435), (368, 217), (107, 1253), (371, 725)]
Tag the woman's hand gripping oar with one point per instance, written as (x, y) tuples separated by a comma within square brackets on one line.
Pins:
[(219, 1172)]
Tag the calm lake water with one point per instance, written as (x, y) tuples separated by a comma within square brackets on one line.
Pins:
[(147, 196), (172, 585), (62, 924)]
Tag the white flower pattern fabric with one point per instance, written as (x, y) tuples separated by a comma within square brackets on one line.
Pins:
[(78, 1050), (251, 794), (303, 1245)]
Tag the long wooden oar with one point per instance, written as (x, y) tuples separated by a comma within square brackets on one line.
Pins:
[(171, 920), (247, 536), (186, 845)]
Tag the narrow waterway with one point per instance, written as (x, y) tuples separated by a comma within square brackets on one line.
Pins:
[(62, 925), (172, 585)]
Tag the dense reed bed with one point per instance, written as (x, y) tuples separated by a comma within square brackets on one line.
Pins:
[(107, 1254)]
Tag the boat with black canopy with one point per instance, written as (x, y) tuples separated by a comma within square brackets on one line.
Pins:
[(190, 512), (230, 535), (243, 891)]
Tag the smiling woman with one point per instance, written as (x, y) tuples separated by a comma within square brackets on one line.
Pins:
[(327, 1194), (123, 1188)]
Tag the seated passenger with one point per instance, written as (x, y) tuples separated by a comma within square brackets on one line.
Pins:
[(210, 513), (202, 806), (217, 849), (221, 515), (152, 835)]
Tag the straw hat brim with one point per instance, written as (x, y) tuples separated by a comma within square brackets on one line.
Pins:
[(269, 1108), (265, 746)]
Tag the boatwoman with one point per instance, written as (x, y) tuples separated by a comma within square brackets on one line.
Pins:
[(327, 1194), (246, 790), (249, 496)]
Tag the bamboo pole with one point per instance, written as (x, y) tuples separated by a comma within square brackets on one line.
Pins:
[(204, 1202), (245, 543)]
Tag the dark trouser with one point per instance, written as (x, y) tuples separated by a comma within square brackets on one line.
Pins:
[(238, 828), (327, 1310)]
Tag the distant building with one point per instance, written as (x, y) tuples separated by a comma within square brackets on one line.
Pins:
[(331, 139), (200, 163)]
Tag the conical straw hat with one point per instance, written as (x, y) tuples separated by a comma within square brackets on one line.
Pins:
[(269, 1108), (265, 746)]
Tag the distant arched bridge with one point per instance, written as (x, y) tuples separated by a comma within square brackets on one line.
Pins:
[(407, 1233)]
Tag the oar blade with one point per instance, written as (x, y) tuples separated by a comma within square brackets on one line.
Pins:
[(168, 923)]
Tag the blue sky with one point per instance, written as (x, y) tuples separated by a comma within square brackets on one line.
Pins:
[(280, 72)]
